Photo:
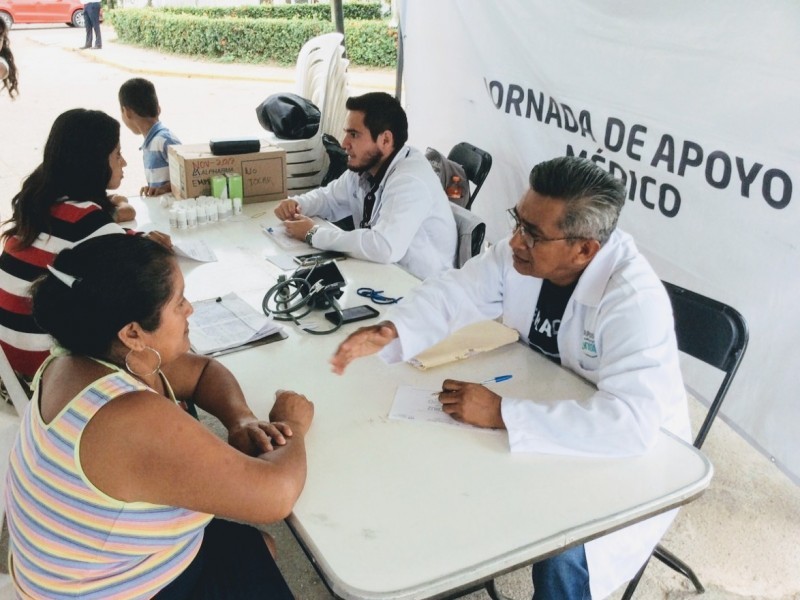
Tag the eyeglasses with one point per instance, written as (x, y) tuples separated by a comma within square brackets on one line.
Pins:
[(530, 239)]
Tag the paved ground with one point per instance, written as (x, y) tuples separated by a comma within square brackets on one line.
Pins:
[(742, 536), (199, 100)]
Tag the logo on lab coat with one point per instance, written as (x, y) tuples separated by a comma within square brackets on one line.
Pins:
[(589, 348)]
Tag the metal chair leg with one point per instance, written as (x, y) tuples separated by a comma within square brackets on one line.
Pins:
[(494, 594), (676, 564), (635, 581)]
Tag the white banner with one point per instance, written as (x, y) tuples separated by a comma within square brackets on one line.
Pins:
[(696, 106)]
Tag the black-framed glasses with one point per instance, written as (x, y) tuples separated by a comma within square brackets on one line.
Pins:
[(530, 238)]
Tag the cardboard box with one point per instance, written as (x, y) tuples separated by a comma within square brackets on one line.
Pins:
[(191, 167)]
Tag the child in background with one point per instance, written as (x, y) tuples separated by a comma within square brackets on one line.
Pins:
[(140, 111), (8, 68)]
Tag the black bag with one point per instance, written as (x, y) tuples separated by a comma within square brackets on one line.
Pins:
[(337, 158), (289, 116)]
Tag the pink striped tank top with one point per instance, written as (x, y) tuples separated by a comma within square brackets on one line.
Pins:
[(70, 540)]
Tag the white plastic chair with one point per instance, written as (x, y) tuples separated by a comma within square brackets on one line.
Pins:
[(9, 425), (337, 92), (320, 76), (14, 388), (313, 51)]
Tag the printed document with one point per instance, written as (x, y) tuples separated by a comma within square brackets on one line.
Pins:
[(226, 323)]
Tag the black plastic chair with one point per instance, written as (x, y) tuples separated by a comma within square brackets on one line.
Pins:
[(716, 334), (476, 163)]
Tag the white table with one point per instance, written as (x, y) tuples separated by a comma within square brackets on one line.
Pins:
[(403, 510)]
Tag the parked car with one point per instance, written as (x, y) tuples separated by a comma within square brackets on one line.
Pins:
[(42, 11)]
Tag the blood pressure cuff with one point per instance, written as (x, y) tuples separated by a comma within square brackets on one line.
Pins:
[(332, 282)]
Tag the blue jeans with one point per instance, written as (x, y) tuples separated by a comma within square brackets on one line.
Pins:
[(91, 21), (564, 576)]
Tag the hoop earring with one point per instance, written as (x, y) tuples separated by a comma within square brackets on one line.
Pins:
[(153, 372)]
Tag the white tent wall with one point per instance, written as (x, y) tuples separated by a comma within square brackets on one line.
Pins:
[(695, 105)]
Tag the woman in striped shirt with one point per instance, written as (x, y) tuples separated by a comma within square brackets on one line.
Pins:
[(63, 202), (113, 488)]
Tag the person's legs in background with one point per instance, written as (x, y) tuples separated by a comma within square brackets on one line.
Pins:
[(91, 20), (87, 25), (564, 576)]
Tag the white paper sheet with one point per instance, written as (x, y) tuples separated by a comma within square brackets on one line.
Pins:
[(285, 262), (415, 404), (196, 250), (277, 233)]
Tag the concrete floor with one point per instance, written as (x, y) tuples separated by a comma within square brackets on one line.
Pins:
[(741, 537)]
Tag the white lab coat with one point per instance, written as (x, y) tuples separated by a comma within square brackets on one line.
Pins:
[(411, 225), (617, 331)]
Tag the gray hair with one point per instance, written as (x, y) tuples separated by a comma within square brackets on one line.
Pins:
[(593, 197)]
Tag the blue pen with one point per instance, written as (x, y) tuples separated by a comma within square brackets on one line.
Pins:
[(497, 379)]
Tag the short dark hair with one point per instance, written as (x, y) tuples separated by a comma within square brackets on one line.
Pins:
[(139, 95), (75, 165), (120, 279), (594, 198), (382, 112)]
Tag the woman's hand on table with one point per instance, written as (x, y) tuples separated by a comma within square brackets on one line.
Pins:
[(257, 437), (160, 238), (292, 410)]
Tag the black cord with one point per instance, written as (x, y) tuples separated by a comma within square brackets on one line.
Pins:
[(377, 296), (282, 304)]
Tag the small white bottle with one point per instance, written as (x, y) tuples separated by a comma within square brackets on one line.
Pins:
[(182, 224), (211, 209), (223, 210)]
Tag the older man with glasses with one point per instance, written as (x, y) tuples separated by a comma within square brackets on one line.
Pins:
[(577, 290)]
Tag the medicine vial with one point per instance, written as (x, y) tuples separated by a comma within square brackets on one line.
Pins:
[(237, 206), (191, 216), (211, 210), (223, 210)]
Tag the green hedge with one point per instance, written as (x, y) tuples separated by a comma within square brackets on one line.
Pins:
[(369, 43), (320, 12)]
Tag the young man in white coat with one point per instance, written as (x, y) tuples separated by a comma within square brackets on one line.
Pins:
[(578, 291), (402, 214)]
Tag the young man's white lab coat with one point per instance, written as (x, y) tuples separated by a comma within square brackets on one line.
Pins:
[(411, 224)]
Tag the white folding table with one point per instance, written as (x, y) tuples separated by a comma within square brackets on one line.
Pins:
[(406, 510)]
